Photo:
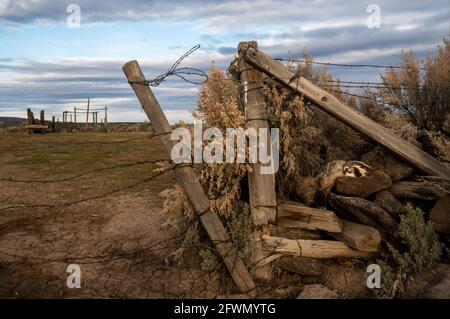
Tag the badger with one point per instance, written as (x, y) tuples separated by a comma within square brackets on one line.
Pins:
[(335, 169)]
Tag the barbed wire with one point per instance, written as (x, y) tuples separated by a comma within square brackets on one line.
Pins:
[(347, 65), (65, 179), (326, 88), (177, 71), (109, 193)]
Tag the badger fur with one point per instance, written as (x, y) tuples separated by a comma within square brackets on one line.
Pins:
[(334, 170)]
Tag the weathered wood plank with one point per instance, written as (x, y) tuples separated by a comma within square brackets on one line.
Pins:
[(298, 215), (261, 186), (346, 114), (295, 233), (311, 248), (418, 190), (358, 236), (188, 179)]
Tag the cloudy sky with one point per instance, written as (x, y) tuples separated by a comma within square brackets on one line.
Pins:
[(45, 63)]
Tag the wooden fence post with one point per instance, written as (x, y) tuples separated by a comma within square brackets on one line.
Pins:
[(42, 120), (263, 203), (75, 114), (87, 113), (106, 117), (53, 124), (30, 120), (188, 179), (333, 106)]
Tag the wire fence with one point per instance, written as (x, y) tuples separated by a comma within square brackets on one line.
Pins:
[(345, 65)]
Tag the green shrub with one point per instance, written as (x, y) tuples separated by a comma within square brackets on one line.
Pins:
[(240, 227), (421, 250), (210, 260)]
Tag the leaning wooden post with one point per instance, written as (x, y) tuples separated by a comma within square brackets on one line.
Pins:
[(30, 120), (75, 114), (188, 179), (263, 204)]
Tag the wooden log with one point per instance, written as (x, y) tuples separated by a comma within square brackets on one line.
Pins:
[(389, 203), (311, 248), (418, 190), (261, 186), (330, 104), (297, 215), (189, 181), (365, 211), (295, 233), (360, 237)]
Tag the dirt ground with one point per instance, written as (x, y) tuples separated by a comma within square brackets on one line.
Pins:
[(117, 240)]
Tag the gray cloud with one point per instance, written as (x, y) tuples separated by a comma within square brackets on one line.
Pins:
[(330, 30)]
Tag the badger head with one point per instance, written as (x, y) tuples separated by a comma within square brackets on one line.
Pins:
[(356, 169)]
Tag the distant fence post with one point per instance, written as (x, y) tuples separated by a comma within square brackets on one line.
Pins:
[(106, 117), (42, 120), (30, 120), (188, 179), (87, 112)]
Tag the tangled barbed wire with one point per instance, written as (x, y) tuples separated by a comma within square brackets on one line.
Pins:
[(175, 70)]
